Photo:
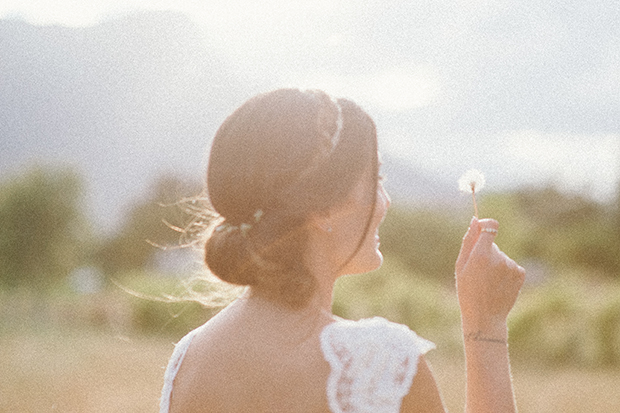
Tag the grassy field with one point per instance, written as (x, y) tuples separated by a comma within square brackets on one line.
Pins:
[(75, 371), (546, 390), (87, 371)]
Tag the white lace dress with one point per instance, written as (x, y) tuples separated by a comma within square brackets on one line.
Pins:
[(373, 362)]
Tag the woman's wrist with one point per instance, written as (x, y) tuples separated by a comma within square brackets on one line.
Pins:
[(488, 331), (480, 336)]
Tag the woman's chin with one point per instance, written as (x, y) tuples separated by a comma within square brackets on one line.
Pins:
[(379, 261), (371, 264), (375, 262)]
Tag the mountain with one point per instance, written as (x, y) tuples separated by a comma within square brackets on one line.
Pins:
[(413, 186), (120, 101), (125, 101)]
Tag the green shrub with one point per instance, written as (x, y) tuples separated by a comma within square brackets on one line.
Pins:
[(393, 292), (167, 318), (607, 332), (548, 326), (569, 322), (425, 242), (155, 308), (563, 322)]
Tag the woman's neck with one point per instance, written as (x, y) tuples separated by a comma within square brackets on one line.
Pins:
[(318, 307)]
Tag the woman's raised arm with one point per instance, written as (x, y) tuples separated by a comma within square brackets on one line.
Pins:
[(488, 283)]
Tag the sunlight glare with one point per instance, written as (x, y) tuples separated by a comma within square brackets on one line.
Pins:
[(401, 89), (397, 89), (249, 28), (576, 163)]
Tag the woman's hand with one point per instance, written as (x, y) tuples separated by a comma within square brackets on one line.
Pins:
[(487, 281)]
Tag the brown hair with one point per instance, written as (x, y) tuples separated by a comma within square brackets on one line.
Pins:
[(275, 154)]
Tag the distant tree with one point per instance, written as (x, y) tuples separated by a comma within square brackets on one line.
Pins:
[(150, 223), (561, 229), (616, 227), (44, 233), (539, 225)]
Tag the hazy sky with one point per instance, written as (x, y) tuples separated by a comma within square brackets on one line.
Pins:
[(526, 91)]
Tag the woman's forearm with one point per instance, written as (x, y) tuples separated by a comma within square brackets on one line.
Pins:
[(489, 381), (487, 285)]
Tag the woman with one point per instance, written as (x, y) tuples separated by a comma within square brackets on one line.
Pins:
[(294, 177)]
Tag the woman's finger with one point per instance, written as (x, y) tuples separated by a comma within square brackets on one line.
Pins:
[(469, 241), (488, 232)]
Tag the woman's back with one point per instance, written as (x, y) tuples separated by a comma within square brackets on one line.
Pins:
[(251, 359), (255, 357)]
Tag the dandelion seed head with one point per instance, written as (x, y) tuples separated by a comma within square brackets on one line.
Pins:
[(471, 181)]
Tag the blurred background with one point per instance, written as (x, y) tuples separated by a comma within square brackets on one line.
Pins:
[(107, 109)]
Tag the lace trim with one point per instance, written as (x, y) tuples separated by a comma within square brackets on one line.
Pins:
[(373, 362)]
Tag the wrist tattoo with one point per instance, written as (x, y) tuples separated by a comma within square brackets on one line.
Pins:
[(477, 336)]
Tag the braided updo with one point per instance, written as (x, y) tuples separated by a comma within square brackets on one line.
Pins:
[(278, 158)]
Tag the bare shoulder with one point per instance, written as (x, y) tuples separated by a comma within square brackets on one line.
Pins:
[(237, 364), (424, 395), (199, 376)]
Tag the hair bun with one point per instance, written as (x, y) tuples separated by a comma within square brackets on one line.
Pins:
[(226, 255)]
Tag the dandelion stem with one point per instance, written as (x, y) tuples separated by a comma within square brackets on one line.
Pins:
[(473, 196)]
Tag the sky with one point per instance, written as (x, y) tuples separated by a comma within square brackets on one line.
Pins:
[(526, 91)]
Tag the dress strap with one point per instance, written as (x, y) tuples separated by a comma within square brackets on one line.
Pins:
[(174, 364)]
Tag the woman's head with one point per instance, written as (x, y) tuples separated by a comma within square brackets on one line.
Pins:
[(286, 155)]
